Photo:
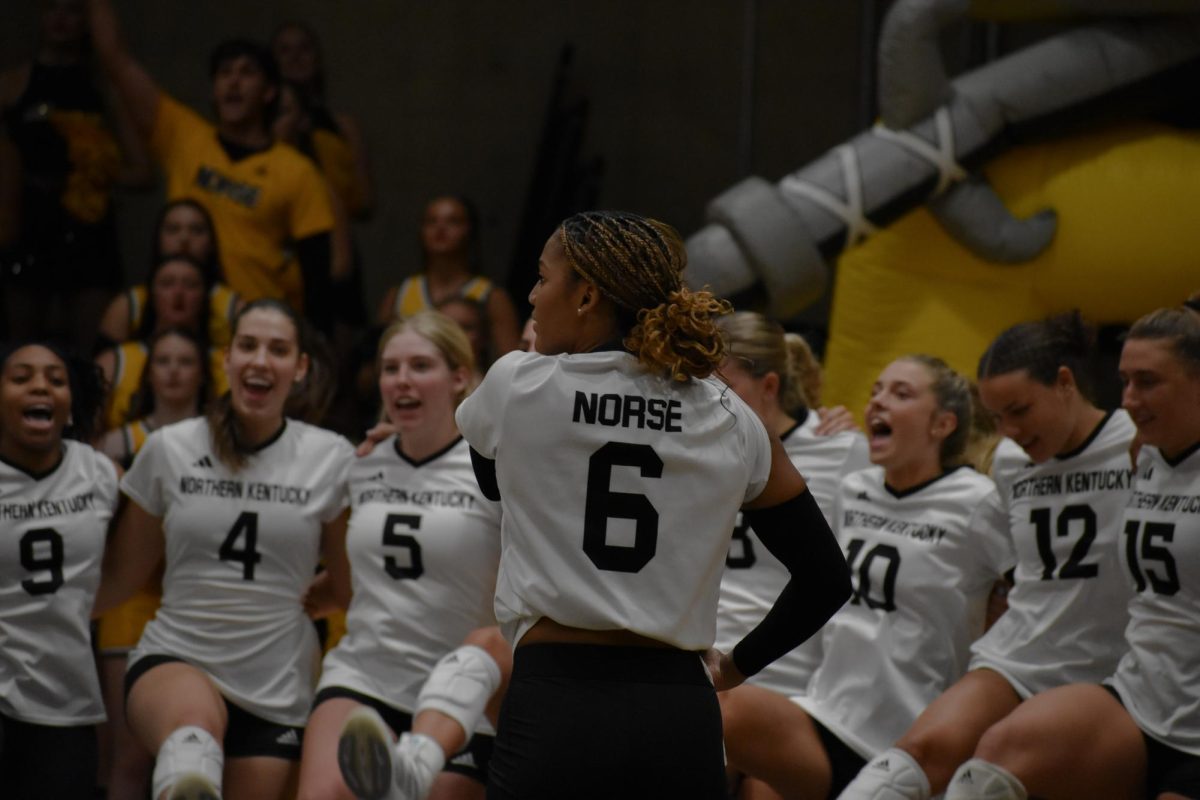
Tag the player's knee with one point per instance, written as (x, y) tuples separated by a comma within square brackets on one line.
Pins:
[(938, 750), (1003, 742), (460, 685), (922, 745)]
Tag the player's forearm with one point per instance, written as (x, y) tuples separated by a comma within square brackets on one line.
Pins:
[(107, 39), (797, 534), (138, 92)]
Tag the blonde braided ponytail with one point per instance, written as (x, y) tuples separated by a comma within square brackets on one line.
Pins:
[(637, 263)]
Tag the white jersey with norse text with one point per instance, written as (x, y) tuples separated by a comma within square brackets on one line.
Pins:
[(923, 563), (754, 578), (241, 549), (1158, 678), (619, 489), (52, 533), (1067, 611), (424, 545)]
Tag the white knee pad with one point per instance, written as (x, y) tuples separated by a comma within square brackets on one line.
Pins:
[(891, 775), (188, 751), (977, 779), (460, 686)]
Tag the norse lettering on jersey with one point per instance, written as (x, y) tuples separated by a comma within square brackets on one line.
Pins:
[(248, 490), (918, 531), (438, 498), (1096, 480), (1170, 503), (628, 411), (44, 509), (212, 181)]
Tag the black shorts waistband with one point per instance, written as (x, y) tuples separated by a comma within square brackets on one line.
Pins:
[(610, 662)]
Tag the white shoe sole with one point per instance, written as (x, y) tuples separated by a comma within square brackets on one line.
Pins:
[(193, 787), (365, 755)]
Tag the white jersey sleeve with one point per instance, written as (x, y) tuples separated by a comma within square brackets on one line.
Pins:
[(619, 491), (424, 546), (53, 529), (241, 549), (1158, 678), (922, 563), (481, 416), (1068, 608), (753, 578)]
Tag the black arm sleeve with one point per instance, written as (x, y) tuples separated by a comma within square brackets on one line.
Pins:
[(797, 534), (315, 254), (485, 474)]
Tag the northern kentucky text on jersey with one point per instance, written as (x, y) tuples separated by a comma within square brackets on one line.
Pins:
[(920, 531), (1094, 480), (41, 509), (429, 497), (1171, 503), (628, 411), (239, 490)]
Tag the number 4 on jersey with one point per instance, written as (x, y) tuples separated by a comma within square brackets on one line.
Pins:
[(247, 555)]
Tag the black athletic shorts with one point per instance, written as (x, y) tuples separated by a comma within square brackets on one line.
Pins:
[(845, 762), (1167, 769), (472, 761), (593, 721), (46, 762), (246, 734)]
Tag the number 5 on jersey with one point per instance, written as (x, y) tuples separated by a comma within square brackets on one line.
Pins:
[(391, 538)]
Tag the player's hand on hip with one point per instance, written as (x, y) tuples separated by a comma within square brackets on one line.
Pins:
[(724, 673)]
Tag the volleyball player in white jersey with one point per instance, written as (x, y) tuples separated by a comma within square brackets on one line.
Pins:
[(764, 368), (1139, 734), (924, 541), (241, 503), (57, 498), (1064, 475), (620, 466), (423, 545)]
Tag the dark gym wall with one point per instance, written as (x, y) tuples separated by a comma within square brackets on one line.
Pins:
[(452, 95)]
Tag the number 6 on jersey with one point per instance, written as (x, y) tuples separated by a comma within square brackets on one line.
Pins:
[(602, 504)]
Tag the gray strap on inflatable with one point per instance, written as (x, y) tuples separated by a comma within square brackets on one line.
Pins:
[(941, 156), (850, 211)]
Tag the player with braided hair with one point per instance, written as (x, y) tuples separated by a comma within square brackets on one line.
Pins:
[(620, 466)]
